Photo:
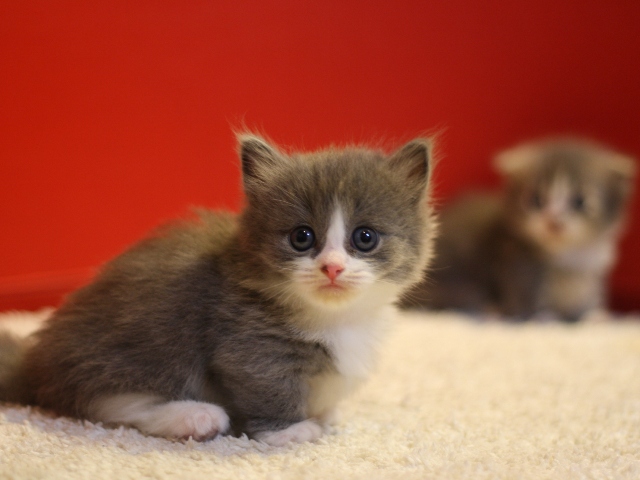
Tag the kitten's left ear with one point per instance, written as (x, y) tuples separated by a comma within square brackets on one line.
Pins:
[(415, 159), (622, 165), (618, 183)]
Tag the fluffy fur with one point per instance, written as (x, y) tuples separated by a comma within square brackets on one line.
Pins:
[(545, 246), (222, 323)]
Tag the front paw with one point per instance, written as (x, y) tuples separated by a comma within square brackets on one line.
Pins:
[(183, 419), (305, 431)]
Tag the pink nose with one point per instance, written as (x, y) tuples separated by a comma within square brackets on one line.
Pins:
[(332, 270), (555, 226)]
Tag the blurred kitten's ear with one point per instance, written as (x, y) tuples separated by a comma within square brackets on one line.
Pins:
[(516, 161), (256, 154), (415, 158), (622, 165), (620, 182)]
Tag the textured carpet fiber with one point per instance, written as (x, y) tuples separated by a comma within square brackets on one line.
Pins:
[(452, 398)]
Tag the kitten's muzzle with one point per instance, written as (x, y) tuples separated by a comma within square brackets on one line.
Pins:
[(332, 270), (554, 225)]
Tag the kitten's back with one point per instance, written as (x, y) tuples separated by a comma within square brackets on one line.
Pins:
[(146, 303), (457, 273)]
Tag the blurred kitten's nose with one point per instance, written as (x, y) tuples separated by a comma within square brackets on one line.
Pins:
[(332, 270), (554, 225)]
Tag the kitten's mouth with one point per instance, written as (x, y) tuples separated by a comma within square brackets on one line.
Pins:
[(334, 293), (332, 287), (334, 290)]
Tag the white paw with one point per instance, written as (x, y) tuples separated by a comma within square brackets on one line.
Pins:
[(185, 419), (305, 431), (149, 414)]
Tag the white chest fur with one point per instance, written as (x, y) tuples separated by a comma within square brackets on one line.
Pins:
[(596, 257), (354, 349), (576, 280)]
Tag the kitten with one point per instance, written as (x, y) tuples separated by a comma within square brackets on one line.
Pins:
[(546, 246), (258, 323)]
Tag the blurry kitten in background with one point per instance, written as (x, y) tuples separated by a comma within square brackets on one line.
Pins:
[(545, 247), (260, 322)]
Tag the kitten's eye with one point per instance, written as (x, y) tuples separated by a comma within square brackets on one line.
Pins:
[(577, 202), (536, 200), (364, 239), (302, 238)]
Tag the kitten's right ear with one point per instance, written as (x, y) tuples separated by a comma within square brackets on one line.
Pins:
[(516, 161), (256, 154)]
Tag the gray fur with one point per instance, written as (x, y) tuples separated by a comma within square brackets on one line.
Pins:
[(12, 385), (194, 312), (489, 261)]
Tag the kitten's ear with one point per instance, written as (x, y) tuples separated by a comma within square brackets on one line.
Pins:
[(256, 155), (415, 159), (622, 165), (516, 161), (620, 183)]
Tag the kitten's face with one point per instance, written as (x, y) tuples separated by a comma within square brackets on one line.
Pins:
[(335, 226), (560, 213), (567, 195), (343, 267)]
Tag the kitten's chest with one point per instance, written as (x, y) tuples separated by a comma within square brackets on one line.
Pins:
[(573, 292), (575, 283), (353, 350)]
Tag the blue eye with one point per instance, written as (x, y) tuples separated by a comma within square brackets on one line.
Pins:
[(302, 238), (364, 239)]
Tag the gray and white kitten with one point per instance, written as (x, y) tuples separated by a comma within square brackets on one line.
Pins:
[(258, 323), (545, 247)]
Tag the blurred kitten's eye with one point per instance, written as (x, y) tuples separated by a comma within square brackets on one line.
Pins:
[(536, 200), (364, 239), (302, 238), (577, 202)]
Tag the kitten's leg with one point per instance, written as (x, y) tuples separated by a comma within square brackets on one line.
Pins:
[(153, 416), (329, 417), (305, 431), (597, 315)]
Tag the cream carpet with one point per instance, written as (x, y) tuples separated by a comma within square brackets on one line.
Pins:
[(452, 398)]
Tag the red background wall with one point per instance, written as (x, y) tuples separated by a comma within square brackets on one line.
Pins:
[(115, 116)]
